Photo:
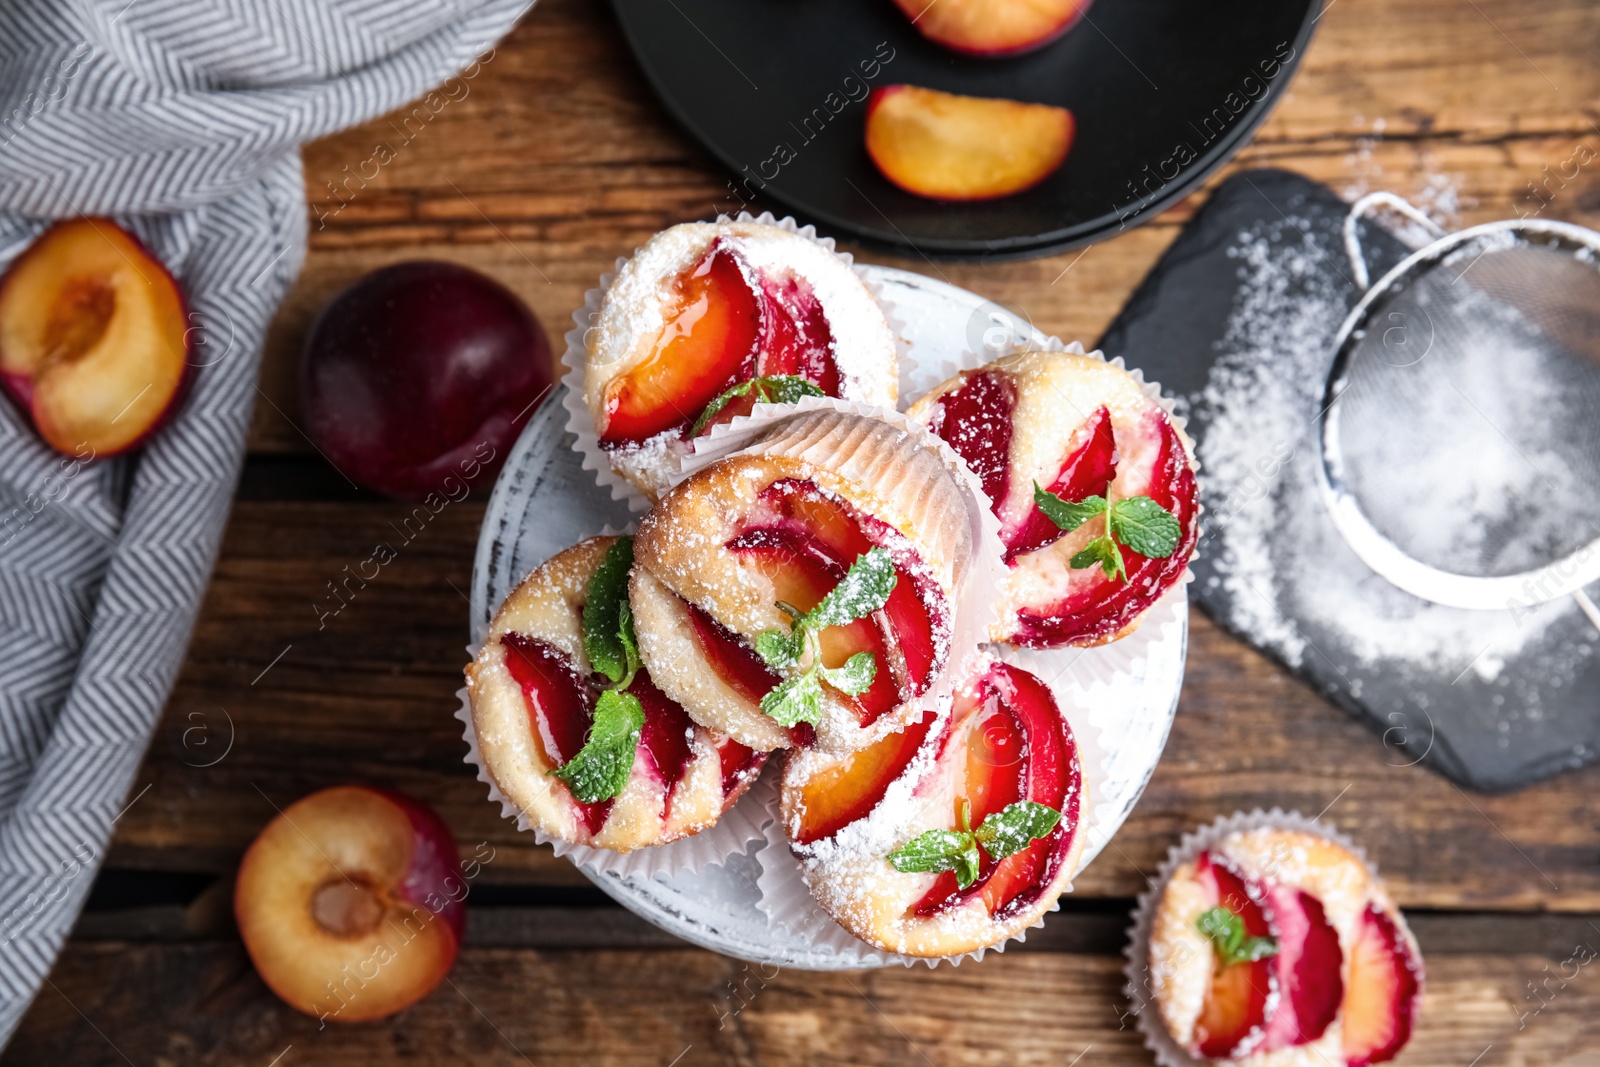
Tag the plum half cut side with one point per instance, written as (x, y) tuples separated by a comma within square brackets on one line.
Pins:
[(1018, 747), (95, 338)]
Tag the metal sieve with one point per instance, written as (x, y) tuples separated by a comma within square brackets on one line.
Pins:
[(1460, 425)]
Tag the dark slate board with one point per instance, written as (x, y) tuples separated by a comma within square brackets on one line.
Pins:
[(1492, 731)]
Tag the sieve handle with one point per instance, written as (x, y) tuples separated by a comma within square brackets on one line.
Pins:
[(1363, 207), (1588, 606)]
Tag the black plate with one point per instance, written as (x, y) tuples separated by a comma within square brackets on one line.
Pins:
[(1164, 92)]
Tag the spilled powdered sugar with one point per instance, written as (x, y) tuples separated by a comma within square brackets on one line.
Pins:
[(1279, 557)]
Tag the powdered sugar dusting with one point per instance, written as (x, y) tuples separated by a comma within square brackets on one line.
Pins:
[(1280, 557)]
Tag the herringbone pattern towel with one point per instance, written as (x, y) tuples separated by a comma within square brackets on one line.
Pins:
[(181, 119)]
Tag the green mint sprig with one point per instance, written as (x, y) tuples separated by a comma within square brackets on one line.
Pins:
[(1004, 833), (769, 389), (607, 626), (864, 589), (1226, 931), (1136, 522), (601, 769)]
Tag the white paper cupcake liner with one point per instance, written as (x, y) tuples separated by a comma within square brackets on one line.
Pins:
[(735, 833), (1140, 1001), (575, 359)]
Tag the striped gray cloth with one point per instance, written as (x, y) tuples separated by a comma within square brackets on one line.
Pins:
[(181, 119)]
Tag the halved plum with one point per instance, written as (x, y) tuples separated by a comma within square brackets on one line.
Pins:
[(352, 879), (1233, 1021), (1016, 747), (94, 338), (1384, 994)]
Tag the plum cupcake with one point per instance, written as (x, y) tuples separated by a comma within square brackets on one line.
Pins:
[(1092, 481), (1272, 943), (708, 319), (816, 572), (570, 726), (953, 835)]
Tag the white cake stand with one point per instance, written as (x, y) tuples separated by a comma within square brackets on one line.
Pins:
[(1120, 698)]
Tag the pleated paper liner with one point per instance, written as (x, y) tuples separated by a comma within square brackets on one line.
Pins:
[(1140, 999), (738, 830), (580, 423)]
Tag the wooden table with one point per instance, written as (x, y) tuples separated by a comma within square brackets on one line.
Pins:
[(557, 161)]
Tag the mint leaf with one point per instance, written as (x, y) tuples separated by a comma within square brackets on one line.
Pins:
[(718, 404), (769, 389), (1104, 552), (1226, 931), (1145, 526), (785, 389), (1064, 513), (780, 648), (799, 699), (630, 643), (855, 676), (968, 863), (934, 851), (602, 611), (1016, 826), (864, 589), (602, 767)]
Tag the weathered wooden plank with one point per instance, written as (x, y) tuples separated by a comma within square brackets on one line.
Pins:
[(202, 1004)]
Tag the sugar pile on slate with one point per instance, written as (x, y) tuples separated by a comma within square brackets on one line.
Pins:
[(1278, 555)]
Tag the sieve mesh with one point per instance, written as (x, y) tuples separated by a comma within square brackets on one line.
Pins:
[(1468, 423)]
